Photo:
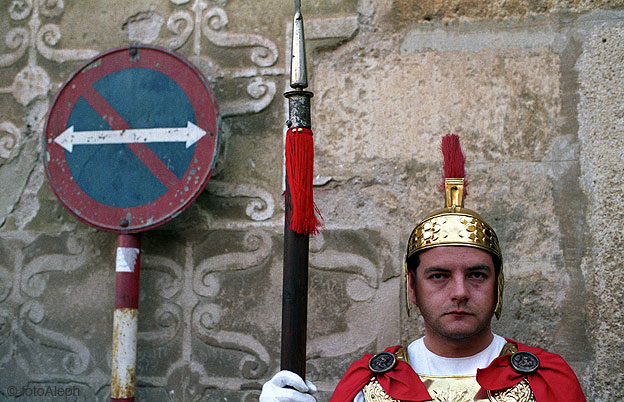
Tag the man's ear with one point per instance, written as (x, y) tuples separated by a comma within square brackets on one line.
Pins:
[(411, 283)]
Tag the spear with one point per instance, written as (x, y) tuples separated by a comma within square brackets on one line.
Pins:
[(302, 218)]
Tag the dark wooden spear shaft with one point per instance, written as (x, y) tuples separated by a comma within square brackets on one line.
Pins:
[(296, 246)]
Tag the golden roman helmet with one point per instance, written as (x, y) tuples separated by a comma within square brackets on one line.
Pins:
[(455, 225)]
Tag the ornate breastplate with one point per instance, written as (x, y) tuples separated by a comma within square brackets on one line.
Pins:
[(455, 388), (521, 392)]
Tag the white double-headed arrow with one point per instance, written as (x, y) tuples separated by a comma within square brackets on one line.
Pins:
[(189, 134)]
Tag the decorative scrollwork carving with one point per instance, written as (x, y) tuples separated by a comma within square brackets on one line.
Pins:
[(6, 330), (168, 318), (6, 320), (209, 316), (20, 9), (16, 39), (264, 52), (9, 135), (206, 284), (49, 35), (258, 246), (185, 381), (51, 8), (262, 205), (77, 358), (328, 259), (253, 366), (180, 23), (6, 284), (204, 322), (207, 20), (169, 283), (258, 88), (216, 18), (35, 274), (251, 396)]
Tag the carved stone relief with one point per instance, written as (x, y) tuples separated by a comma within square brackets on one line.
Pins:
[(36, 35), (195, 26), (207, 314), (208, 305), (38, 339), (196, 21), (259, 203)]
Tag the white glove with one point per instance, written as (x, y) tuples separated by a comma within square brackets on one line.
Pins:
[(274, 391)]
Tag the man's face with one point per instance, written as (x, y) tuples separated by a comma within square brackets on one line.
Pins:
[(455, 290)]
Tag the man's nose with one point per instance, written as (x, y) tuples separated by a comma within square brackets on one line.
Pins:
[(459, 289)]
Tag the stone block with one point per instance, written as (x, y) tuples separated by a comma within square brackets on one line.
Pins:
[(601, 133), (405, 12)]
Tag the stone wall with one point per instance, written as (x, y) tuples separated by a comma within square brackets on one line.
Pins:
[(534, 88)]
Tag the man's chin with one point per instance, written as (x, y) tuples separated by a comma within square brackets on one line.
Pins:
[(459, 335), (459, 331)]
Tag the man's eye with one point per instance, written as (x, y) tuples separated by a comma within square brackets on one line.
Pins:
[(436, 276), (478, 275)]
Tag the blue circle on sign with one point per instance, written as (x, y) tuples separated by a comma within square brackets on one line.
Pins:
[(121, 179)]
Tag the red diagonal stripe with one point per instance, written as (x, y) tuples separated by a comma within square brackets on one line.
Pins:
[(142, 151), (155, 165)]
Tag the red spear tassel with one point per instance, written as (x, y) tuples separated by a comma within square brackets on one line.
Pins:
[(305, 217), (454, 160)]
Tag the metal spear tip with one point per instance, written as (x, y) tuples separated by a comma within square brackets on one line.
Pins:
[(298, 69)]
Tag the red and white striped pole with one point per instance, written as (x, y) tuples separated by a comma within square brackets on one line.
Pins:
[(126, 319)]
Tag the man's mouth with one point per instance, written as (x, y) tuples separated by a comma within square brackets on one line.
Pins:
[(458, 312)]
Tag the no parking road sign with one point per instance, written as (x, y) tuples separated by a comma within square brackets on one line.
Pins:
[(131, 139)]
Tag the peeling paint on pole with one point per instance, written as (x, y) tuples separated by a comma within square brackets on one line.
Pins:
[(125, 325), (125, 320)]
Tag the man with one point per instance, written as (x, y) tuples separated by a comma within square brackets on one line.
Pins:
[(454, 270)]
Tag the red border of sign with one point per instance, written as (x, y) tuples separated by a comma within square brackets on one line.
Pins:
[(158, 211)]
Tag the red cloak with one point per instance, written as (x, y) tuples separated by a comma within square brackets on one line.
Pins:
[(554, 380)]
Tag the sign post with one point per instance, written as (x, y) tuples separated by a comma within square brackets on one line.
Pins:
[(125, 318), (130, 141)]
